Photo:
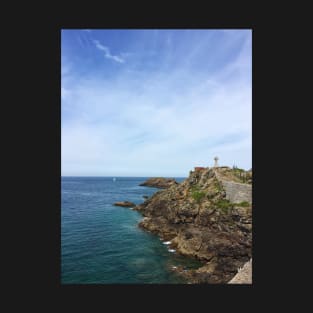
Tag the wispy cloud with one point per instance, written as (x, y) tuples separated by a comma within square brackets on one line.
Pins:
[(80, 42), (107, 52)]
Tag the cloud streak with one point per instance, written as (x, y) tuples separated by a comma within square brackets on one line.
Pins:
[(107, 52)]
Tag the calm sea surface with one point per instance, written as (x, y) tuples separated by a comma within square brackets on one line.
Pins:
[(101, 243)]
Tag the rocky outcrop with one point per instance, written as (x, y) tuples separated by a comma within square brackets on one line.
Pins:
[(125, 204), (201, 222), (159, 182)]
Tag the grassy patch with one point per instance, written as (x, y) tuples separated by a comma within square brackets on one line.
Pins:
[(237, 169), (244, 204), (218, 186), (240, 173), (197, 194), (224, 205)]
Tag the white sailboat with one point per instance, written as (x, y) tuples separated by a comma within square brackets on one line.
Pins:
[(114, 179)]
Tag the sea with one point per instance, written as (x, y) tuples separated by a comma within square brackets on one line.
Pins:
[(102, 243)]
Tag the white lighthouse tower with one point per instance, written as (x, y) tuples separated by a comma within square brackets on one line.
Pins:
[(215, 162)]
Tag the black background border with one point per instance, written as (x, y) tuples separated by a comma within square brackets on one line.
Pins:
[(37, 118)]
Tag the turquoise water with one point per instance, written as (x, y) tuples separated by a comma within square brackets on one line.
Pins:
[(102, 244)]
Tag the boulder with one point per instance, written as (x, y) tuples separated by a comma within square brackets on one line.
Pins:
[(125, 204)]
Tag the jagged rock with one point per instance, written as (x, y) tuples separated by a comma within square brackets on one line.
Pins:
[(200, 221), (159, 182), (125, 204)]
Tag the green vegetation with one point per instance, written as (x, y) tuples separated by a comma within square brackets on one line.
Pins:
[(236, 168), (218, 186), (224, 205), (240, 173), (244, 204), (197, 194)]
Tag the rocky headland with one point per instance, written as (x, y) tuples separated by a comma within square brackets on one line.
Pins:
[(159, 182), (208, 217)]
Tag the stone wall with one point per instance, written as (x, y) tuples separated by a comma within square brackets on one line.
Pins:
[(237, 192), (244, 275)]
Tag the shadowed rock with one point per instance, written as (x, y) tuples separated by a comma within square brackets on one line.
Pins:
[(125, 204)]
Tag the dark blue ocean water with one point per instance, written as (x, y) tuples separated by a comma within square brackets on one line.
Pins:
[(101, 243)]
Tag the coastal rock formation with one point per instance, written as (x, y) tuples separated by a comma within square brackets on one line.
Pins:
[(159, 182), (199, 219), (125, 204)]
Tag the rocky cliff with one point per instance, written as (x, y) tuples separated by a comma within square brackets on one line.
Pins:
[(209, 217)]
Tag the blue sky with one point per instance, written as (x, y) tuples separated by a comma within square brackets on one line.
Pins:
[(155, 102)]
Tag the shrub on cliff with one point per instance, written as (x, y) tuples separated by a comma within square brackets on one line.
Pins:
[(244, 204), (240, 173), (224, 205), (218, 186), (197, 194)]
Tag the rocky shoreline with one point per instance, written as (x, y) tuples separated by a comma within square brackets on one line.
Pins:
[(208, 217)]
